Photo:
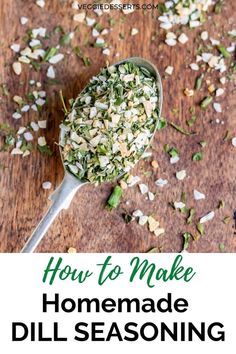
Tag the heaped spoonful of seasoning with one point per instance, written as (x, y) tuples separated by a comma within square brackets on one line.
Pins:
[(108, 128)]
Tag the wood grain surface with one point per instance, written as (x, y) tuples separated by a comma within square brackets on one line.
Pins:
[(87, 225)]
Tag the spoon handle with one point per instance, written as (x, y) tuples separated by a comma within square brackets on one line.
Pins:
[(61, 199)]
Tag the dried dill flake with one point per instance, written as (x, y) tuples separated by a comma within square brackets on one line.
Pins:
[(114, 199), (110, 123)]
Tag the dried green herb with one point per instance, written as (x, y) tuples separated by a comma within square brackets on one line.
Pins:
[(197, 156), (218, 6), (77, 50), (114, 199), (187, 237), (221, 204), (63, 102), (102, 138), (227, 219), (50, 53), (127, 218), (45, 150), (206, 101), (162, 123), (227, 136), (198, 82), (190, 122), (200, 229), (180, 130), (65, 39), (191, 215), (4, 90), (221, 247), (35, 65), (171, 151), (223, 51)]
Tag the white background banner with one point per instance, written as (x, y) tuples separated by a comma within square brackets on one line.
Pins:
[(210, 295)]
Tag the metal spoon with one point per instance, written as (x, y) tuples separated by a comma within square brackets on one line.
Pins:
[(64, 194)]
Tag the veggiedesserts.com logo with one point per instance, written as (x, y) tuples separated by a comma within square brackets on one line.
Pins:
[(117, 6)]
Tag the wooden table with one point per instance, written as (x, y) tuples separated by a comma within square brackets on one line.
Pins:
[(87, 225)]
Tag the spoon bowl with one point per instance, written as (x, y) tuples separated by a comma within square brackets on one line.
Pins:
[(63, 195)]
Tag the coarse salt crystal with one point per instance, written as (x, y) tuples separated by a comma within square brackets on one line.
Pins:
[(217, 107), (219, 92), (234, 141), (51, 72), (183, 38), (40, 3), (179, 205), (24, 20), (137, 213), (25, 108), (151, 196), (34, 107), (194, 66), (223, 80), (174, 159), (40, 102), (95, 32), (134, 31), (132, 180), (143, 188), (28, 136), (90, 21), (198, 195), (47, 185), (143, 220), (207, 217), (161, 182), (75, 5), (171, 42), (169, 70), (15, 47), (106, 51), (34, 126), (181, 175), (16, 115)]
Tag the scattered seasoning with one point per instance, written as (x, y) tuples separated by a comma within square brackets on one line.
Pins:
[(223, 51), (207, 217), (187, 237), (227, 219), (198, 82), (72, 250), (221, 247), (206, 101), (197, 156), (114, 198), (191, 215), (154, 250), (200, 229), (127, 218), (221, 204), (162, 123), (179, 129), (203, 144)]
